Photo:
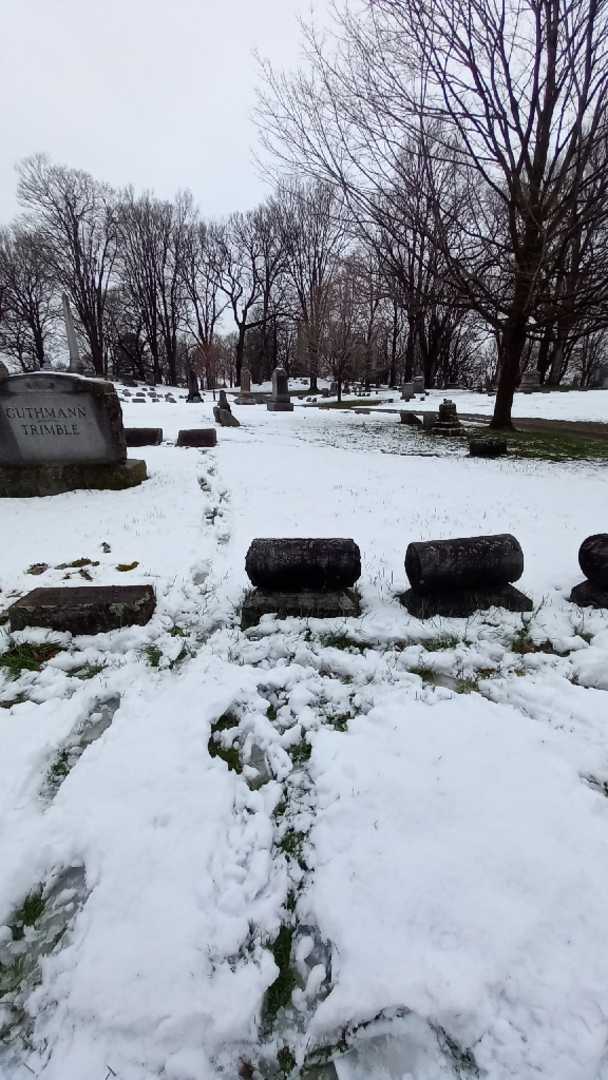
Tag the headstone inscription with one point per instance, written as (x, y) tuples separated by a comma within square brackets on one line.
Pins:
[(60, 432), (593, 561), (280, 400), (306, 577), (455, 578)]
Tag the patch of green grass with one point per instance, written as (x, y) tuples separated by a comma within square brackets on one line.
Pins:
[(271, 713), (553, 445), (153, 655), (292, 845), (425, 673), (523, 644), (178, 631), (37, 568), (339, 722), (124, 567), (28, 914), (77, 564), (26, 657), (224, 722), (89, 671), (13, 701), (11, 976), (228, 754), (278, 995), (286, 1061), (449, 641), (467, 686), (59, 769), (300, 753), (341, 641)]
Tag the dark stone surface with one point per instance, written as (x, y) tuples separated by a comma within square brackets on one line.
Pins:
[(303, 605), (593, 559), (410, 419), (469, 562), (90, 609), (279, 406), (447, 422), (60, 418), (144, 436), (461, 603), (588, 594), (204, 437), (223, 402), (224, 417), (294, 564), (488, 448), (29, 481)]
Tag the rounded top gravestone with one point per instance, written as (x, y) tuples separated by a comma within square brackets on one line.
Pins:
[(58, 419)]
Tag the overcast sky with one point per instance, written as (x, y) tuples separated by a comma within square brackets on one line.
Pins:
[(157, 93)]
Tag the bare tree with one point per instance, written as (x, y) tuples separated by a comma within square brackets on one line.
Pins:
[(512, 96), (314, 239), (74, 216), (240, 261), (30, 306)]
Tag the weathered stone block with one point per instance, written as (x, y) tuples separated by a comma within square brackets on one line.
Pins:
[(292, 564), (144, 436), (587, 594), (60, 418), (410, 419), (224, 417), (279, 406), (201, 437), (29, 481), (301, 605), (488, 448), (461, 603), (593, 559), (91, 609), (471, 562)]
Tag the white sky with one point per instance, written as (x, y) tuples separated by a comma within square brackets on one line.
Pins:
[(157, 93)]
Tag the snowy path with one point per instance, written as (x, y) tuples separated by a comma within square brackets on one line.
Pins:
[(416, 817)]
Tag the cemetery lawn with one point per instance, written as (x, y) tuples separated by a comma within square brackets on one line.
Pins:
[(376, 842), (555, 445)]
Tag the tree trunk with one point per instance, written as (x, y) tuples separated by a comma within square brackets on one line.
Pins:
[(511, 349)]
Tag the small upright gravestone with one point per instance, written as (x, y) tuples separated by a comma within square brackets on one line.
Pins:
[(194, 395), (280, 400), (301, 577), (457, 577), (407, 391), (222, 412), (593, 561), (418, 382), (245, 397), (447, 422), (530, 382), (60, 432)]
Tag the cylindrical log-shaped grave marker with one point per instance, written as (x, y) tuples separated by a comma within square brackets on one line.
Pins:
[(593, 559), (472, 562), (300, 564)]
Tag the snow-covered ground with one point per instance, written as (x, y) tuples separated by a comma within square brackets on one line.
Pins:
[(419, 824)]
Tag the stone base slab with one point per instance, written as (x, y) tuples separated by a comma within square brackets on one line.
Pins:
[(246, 399), (589, 595), (279, 406), (31, 481), (144, 436), (89, 609), (303, 605), (461, 603), (198, 437)]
